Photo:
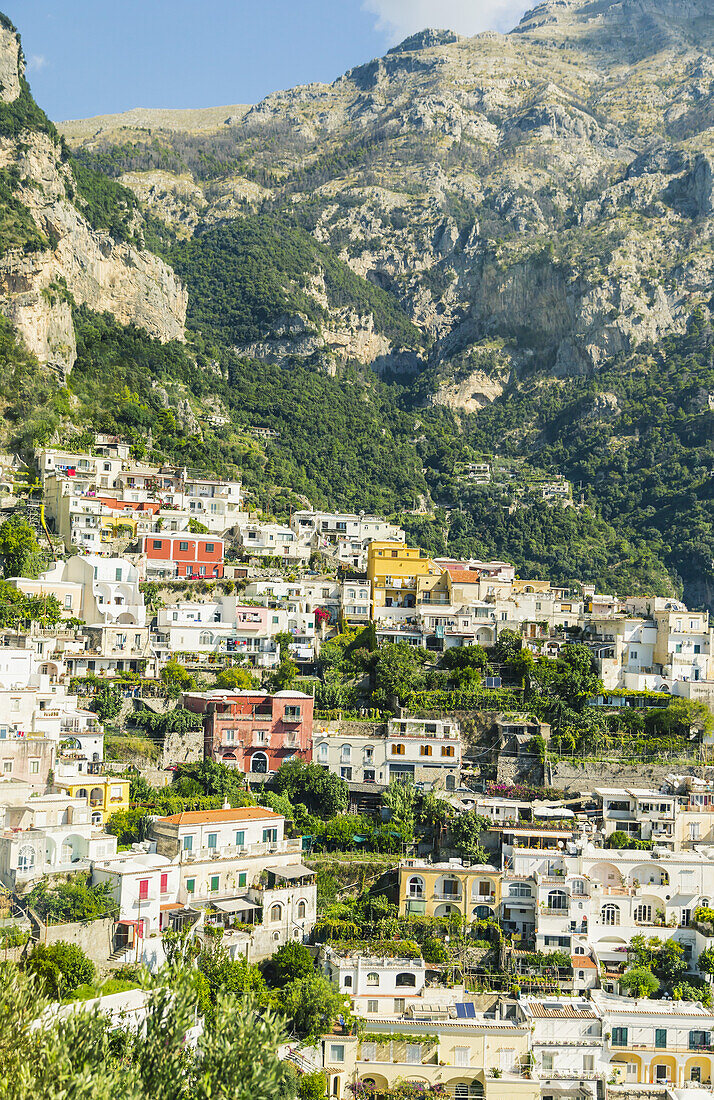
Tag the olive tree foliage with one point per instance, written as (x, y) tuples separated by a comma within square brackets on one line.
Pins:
[(83, 1057)]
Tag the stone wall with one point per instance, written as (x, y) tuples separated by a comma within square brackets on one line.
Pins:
[(577, 777), (96, 938)]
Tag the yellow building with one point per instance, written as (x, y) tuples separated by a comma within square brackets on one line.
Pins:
[(396, 573), (444, 889), (105, 793), (458, 1055)]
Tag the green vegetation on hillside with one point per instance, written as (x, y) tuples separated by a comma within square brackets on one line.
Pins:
[(17, 226), (105, 203), (245, 276)]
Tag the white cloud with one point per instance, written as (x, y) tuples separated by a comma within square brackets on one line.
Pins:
[(400, 18), (36, 62)]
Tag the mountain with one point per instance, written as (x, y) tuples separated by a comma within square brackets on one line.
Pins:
[(495, 249), (67, 234)]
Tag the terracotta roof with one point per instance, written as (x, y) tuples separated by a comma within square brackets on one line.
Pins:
[(463, 576), (563, 1012), (207, 817), (168, 905), (583, 962)]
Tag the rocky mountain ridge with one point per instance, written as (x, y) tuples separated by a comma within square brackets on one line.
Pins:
[(62, 259), (549, 190)]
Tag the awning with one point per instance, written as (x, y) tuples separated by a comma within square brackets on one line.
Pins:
[(168, 905), (234, 905), (133, 923), (291, 871)]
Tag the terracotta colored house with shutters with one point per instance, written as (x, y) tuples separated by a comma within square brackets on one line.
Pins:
[(252, 731), (181, 554)]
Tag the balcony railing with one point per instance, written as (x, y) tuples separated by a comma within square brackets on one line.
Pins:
[(439, 896)]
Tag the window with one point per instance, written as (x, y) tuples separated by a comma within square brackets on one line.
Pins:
[(210, 547), (322, 751), (399, 1005), (698, 1040), (157, 544), (373, 979), (619, 1036), (588, 1063), (610, 914), (213, 840), (557, 899), (240, 838), (397, 750), (661, 1038), (301, 910), (68, 601), (520, 890), (243, 878), (270, 836), (345, 773), (415, 887), (337, 1052), (7, 766), (643, 914), (461, 1056), (694, 830), (34, 767), (164, 884), (425, 750), (26, 858), (447, 750), (405, 981), (143, 889), (369, 775), (348, 981), (188, 844), (372, 1007), (276, 912), (215, 882), (547, 1063), (346, 754)]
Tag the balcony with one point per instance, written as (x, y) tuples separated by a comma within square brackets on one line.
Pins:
[(439, 896)]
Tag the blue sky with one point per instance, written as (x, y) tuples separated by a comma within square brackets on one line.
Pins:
[(89, 57)]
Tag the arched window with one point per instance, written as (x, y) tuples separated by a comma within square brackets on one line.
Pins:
[(579, 950), (373, 979), (405, 980), (301, 910), (205, 638), (276, 912), (520, 890), (346, 754), (26, 858), (96, 819), (557, 899), (577, 886), (476, 1091), (415, 887), (483, 912), (276, 936), (348, 981), (643, 914), (397, 750), (322, 750), (451, 888), (259, 763), (82, 793), (610, 914)]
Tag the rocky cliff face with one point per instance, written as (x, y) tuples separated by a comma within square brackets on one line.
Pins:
[(74, 262), (551, 189)]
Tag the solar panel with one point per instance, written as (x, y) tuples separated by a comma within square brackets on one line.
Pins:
[(461, 1012), (466, 1011)]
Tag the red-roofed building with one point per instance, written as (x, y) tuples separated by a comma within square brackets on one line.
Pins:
[(253, 731), (183, 555)]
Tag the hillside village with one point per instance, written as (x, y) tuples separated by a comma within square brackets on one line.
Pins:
[(482, 805)]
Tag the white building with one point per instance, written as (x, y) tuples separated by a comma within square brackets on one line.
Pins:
[(47, 835), (272, 540)]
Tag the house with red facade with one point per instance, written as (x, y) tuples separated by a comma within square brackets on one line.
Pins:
[(181, 554), (253, 731)]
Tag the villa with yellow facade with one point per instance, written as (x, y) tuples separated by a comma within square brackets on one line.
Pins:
[(448, 889)]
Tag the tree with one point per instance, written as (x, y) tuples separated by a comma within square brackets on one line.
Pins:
[(398, 671), (312, 1086), (106, 703), (283, 677), (20, 552), (312, 1005), (292, 961), (129, 826), (466, 832), (433, 951), (670, 963), (61, 966), (176, 679), (705, 961), (322, 792), (401, 799), (67, 902), (509, 645), (237, 679), (639, 981)]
